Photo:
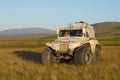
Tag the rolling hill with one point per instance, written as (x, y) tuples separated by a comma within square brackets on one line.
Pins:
[(26, 31), (106, 25), (107, 30)]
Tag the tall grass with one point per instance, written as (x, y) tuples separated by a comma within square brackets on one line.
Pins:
[(25, 64)]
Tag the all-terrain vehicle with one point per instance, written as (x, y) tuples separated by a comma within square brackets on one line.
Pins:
[(76, 42)]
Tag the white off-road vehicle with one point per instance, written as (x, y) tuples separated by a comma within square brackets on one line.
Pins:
[(77, 42)]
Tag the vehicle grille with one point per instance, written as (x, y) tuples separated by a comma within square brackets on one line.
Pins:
[(64, 47)]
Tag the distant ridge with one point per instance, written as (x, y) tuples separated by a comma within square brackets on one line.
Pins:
[(105, 25), (25, 31), (107, 30)]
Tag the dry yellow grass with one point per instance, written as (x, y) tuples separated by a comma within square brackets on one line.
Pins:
[(25, 64)]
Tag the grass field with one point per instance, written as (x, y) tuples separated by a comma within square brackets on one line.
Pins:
[(25, 41), (25, 64)]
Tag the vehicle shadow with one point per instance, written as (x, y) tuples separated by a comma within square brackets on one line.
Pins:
[(29, 55), (36, 57)]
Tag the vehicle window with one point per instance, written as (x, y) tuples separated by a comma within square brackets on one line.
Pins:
[(65, 33)]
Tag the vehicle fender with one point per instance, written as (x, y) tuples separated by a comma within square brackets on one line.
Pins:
[(93, 44)]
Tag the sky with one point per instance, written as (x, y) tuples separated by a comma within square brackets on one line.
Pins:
[(52, 14)]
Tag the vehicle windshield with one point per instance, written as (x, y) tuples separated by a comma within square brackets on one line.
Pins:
[(68, 33)]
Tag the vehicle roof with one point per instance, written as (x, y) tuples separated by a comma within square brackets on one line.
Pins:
[(75, 28), (69, 28)]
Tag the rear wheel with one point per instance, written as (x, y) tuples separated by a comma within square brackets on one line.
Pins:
[(97, 55), (48, 58), (83, 56)]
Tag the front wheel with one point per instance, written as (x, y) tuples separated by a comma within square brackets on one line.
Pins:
[(83, 56), (48, 58)]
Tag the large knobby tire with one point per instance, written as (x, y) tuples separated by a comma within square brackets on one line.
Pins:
[(47, 57), (83, 56), (97, 55)]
